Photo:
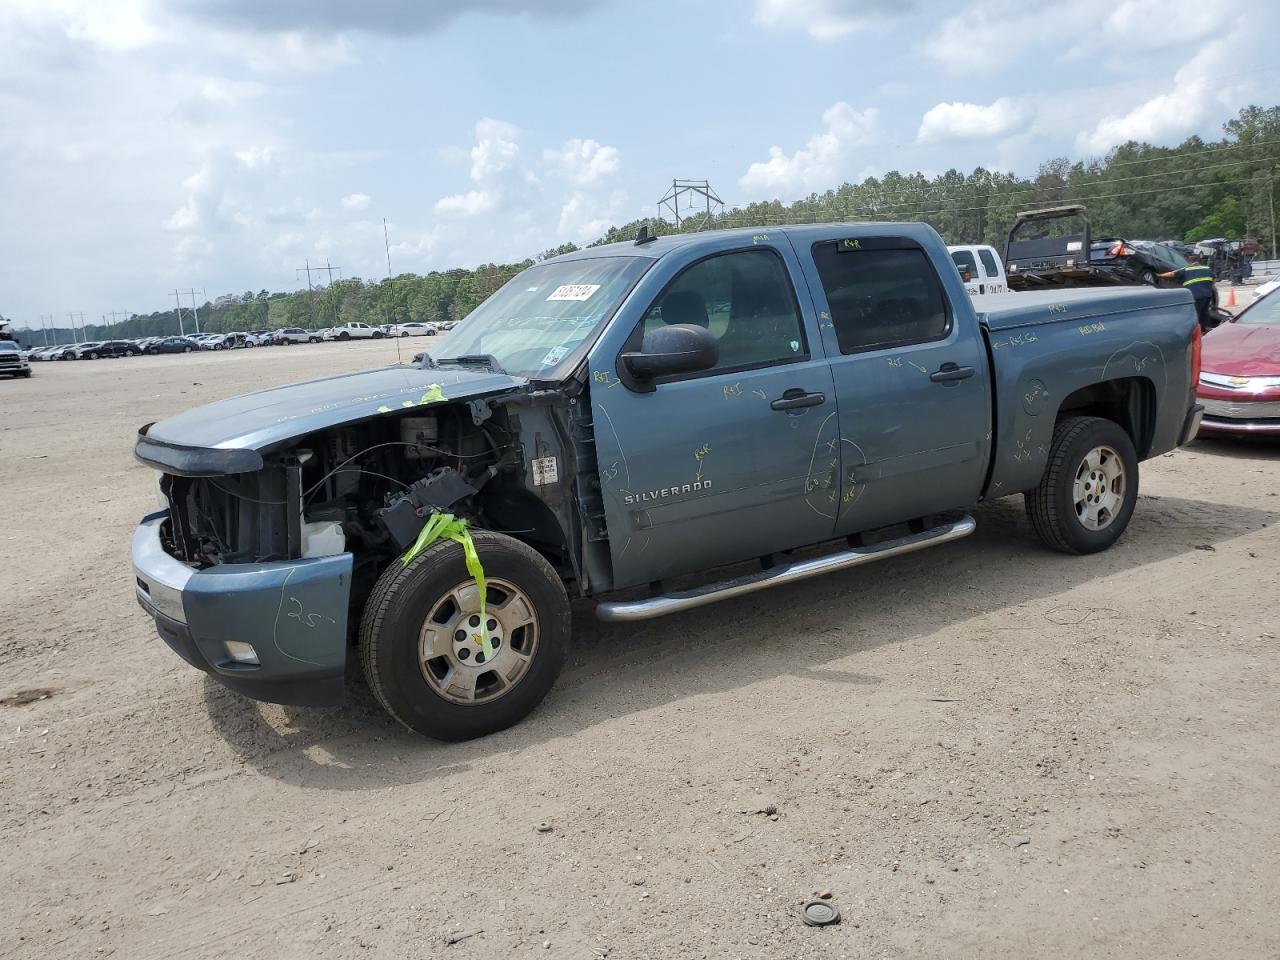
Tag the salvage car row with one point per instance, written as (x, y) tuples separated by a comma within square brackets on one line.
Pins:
[(99, 349)]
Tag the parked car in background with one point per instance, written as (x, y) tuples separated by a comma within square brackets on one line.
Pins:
[(118, 348), (90, 350), (172, 345), (980, 268), (1240, 373), (42, 353), (12, 361), (1263, 289), (445, 325), (353, 331), (296, 335), (412, 329)]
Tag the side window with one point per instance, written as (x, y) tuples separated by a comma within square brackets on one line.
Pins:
[(963, 259), (989, 263), (883, 294), (747, 302)]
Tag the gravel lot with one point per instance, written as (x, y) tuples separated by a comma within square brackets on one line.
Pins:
[(913, 722)]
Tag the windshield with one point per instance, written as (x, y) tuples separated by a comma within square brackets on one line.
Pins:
[(542, 315), (1266, 310), (8, 345)]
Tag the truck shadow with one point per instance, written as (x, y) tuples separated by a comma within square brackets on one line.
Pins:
[(799, 631)]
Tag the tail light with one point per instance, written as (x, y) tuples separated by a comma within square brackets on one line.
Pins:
[(1120, 250), (1197, 340)]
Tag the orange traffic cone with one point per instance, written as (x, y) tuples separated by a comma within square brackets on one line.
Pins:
[(1231, 297)]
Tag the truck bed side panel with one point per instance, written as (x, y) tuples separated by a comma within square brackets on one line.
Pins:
[(1045, 347)]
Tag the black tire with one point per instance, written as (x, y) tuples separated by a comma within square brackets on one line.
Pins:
[(1148, 278), (344, 335), (93, 356), (402, 598), (24, 373), (378, 335), (186, 349), (1051, 505), (313, 340)]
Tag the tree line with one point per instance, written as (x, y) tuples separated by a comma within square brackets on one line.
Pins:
[(1196, 190)]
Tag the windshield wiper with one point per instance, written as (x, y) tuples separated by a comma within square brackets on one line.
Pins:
[(470, 359)]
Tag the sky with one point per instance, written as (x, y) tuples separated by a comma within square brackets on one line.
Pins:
[(222, 144)]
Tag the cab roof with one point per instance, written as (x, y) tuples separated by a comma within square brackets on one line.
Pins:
[(801, 234)]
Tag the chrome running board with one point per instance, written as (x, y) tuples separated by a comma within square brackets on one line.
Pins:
[(617, 612)]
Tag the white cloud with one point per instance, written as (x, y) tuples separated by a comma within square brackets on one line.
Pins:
[(829, 19), (469, 204), (985, 37), (227, 92), (582, 161), (496, 149), (356, 201), (1147, 24), (1191, 96), (821, 162), (185, 217), (583, 217), (972, 121)]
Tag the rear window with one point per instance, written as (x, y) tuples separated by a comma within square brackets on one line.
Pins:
[(989, 263), (885, 293), (964, 262)]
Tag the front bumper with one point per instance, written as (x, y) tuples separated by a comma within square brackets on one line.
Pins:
[(1253, 428), (293, 613)]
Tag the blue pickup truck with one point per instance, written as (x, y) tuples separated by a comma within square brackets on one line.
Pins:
[(686, 419)]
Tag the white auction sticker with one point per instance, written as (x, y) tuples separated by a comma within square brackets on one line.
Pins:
[(545, 471), (574, 291)]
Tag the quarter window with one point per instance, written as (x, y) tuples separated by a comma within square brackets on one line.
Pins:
[(884, 294), (747, 302)]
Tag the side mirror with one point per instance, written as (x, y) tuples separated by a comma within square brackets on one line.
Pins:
[(676, 348)]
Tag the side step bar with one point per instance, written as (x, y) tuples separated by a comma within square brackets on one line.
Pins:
[(617, 612)]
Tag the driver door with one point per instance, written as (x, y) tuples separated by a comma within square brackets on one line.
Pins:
[(724, 464)]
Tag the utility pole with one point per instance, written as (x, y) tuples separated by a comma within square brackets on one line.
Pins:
[(1271, 199), (119, 313), (386, 242), (72, 317), (46, 321), (330, 268)]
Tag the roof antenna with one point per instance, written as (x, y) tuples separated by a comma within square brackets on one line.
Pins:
[(643, 235)]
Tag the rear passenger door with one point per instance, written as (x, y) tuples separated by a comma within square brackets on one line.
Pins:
[(911, 377)]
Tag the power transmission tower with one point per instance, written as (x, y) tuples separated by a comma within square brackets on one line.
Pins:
[(119, 313), (311, 293), (79, 335), (195, 314), (46, 321), (680, 189)]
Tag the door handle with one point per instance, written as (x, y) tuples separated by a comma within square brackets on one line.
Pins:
[(796, 399), (950, 373)]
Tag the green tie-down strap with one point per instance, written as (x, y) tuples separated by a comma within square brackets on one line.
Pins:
[(445, 526)]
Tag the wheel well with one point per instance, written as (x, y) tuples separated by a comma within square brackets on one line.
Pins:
[(1129, 401)]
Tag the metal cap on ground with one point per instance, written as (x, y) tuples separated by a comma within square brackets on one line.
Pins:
[(820, 913)]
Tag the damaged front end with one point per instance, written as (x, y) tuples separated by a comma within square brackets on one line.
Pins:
[(260, 565)]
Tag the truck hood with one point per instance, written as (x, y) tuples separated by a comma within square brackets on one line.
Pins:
[(257, 421), (1243, 350)]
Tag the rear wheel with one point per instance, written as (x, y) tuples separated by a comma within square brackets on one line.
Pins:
[(313, 340), (344, 335), (1089, 488), (1148, 278), (421, 646)]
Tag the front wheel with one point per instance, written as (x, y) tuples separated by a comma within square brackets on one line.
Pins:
[(422, 648), (1086, 496)]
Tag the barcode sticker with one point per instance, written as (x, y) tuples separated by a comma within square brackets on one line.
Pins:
[(574, 291)]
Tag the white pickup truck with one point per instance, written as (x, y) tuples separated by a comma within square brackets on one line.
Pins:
[(980, 268)]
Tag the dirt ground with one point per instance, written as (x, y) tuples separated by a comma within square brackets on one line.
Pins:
[(913, 722)]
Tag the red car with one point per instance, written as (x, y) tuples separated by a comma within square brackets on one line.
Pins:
[(1240, 373)]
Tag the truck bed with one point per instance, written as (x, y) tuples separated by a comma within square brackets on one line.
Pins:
[(1047, 348)]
